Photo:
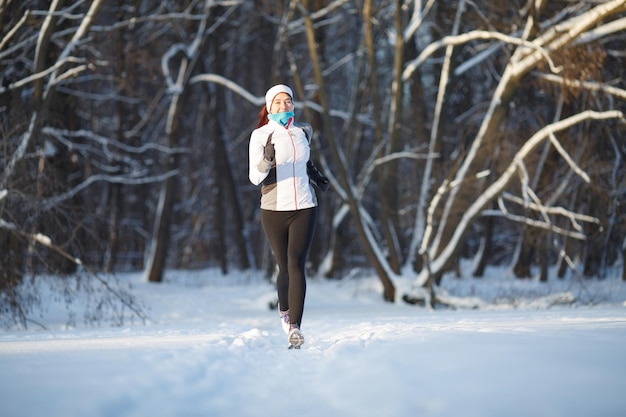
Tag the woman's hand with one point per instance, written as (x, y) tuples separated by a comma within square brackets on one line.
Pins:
[(319, 180), (269, 153)]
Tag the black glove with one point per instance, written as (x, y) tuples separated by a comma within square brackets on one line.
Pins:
[(319, 180), (269, 153)]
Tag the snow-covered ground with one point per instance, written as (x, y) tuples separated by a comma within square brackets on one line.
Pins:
[(213, 348)]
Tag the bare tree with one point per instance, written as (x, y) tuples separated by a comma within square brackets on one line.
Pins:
[(437, 247), (24, 211)]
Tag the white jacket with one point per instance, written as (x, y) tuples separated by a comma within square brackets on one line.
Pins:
[(285, 186)]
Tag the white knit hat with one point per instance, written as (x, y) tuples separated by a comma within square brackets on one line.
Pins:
[(272, 92)]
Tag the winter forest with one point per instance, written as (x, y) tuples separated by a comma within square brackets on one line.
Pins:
[(484, 130)]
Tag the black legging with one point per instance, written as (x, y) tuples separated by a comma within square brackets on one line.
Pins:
[(290, 234)]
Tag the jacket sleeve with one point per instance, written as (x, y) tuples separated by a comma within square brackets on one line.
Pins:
[(255, 155)]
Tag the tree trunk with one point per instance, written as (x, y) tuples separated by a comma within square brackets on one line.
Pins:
[(484, 252), (387, 174), (380, 266), (115, 208), (42, 52), (229, 198), (525, 253), (542, 250), (624, 260), (161, 234), (427, 176), (220, 209), (157, 257)]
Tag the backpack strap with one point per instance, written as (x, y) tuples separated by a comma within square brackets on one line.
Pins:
[(307, 128)]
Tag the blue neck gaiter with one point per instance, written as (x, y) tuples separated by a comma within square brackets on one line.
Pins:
[(282, 118)]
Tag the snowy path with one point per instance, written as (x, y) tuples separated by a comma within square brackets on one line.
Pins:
[(368, 361)]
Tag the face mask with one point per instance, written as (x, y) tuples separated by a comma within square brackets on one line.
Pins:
[(282, 118)]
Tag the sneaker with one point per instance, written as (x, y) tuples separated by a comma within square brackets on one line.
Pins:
[(295, 337), (284, 320)]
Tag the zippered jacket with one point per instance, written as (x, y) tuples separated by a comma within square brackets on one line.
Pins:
[(284, 184)]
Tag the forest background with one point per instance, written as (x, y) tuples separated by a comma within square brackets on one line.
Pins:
[(490, 130)]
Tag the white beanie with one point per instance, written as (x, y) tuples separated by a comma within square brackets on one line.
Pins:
[(272, 92)]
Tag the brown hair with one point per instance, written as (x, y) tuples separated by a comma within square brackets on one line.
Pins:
[(263, 120)]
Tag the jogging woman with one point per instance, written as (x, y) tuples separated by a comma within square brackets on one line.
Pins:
[(279, 161)]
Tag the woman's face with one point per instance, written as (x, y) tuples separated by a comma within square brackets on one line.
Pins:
[(281, 103)]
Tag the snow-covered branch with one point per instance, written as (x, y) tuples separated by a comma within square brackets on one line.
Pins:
[(51, 84), (78, 35), (231, 85), (14, 30), (106, 142), (582, 84), (430, 216), (468, 37), (260, 101), (601, 31), (164, 17), (42, 74), (17, 155), (417, 17), (573, 165), (573, 217), (297, 25), (481, 56), (554, 38), (403, 155), (438, 261), (535, 223), (569, 32), (122, 296), (114, 179), (39, 238)]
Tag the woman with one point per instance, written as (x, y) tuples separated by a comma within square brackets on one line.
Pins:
[(279, 161)]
